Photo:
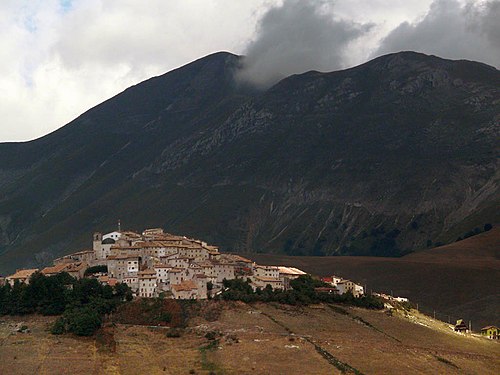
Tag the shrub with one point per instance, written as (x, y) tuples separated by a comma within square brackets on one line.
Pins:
[(59, 327), (174, 332), (165, 317), (303, 293), (83, 322), (211, 335)]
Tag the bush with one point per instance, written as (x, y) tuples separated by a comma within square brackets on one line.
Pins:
[(174, 332), (211, 335), (82, 302), (59, 327), (303, 293), (165, 317), (83, 322)]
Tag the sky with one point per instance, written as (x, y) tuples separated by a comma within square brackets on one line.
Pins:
[(59, 58)]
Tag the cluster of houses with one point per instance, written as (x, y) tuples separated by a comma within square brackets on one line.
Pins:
[(154, 263), (338, 285), (490, 332)]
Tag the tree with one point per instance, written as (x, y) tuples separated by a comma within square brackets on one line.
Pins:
[(59, 326), (4, 298), (121, 290), (85, 289), (82, 322)]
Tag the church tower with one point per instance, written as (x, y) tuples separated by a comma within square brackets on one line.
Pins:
[(97, 244)]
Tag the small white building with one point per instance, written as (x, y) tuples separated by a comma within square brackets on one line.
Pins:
[(176, 276), (223, 271), (147, 283), (346, 286), (266, 271), (115, 236), (263, 281), (132, 282), (287, 274), (162, 271)]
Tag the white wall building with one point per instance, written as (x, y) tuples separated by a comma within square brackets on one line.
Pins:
[(147, 283), (267, 271), (346, 286), (115, 236)]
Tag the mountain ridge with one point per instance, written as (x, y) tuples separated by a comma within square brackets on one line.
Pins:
[(358, 161)]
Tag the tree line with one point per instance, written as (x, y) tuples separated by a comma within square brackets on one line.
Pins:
[(82, 303), (303, 292)]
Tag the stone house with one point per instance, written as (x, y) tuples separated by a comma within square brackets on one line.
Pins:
[(266, 271), (147, 283), (287, 274), (54, 270), (201, 283), (263, 281), (223, 270), (122, 266), (22, 276), (185, 290)]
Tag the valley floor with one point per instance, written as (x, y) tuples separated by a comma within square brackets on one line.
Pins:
[(255, 339)]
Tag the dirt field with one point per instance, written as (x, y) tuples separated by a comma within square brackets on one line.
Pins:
[(257, 339), (458, 281)]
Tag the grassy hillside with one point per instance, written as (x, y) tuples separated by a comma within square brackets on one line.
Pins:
[(256, 339), (459, 280)]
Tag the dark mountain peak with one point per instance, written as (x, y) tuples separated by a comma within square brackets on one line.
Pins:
[(378, 159), (409, 62)]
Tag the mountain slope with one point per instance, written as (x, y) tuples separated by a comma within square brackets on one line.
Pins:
[(456, 281), (380, 159)]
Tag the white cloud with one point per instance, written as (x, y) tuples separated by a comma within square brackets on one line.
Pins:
[(298, 36), (451, 29), (58, 58)]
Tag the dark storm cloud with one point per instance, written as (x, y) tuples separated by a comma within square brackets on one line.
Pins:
[(451, 30), (296, 37)]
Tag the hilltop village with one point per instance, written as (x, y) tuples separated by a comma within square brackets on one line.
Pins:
[(156, 263), (159, 264)]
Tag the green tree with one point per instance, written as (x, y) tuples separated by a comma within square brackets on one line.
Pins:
[(82, 321)]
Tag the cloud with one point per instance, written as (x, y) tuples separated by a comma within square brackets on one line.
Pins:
[(298, 36), (58, 58), (451, 30)]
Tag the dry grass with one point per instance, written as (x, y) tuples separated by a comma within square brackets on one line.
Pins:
[(257, 339)]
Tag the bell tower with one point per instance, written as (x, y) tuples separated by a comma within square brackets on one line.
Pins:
[(96, 244)]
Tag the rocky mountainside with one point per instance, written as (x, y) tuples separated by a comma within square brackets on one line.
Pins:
[(382, 159)]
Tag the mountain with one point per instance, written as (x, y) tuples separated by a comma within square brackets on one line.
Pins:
[(385, 158)]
